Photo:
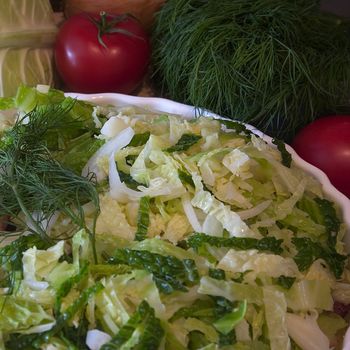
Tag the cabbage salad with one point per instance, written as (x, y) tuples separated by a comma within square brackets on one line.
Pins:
[(132, 229)]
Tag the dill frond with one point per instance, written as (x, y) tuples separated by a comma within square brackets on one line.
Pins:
[(274, 64), (35, 185)]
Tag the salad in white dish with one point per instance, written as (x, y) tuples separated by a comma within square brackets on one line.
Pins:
[(132, 229)]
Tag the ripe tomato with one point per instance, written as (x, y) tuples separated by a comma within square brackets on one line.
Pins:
[(325, 143), (102, 53)]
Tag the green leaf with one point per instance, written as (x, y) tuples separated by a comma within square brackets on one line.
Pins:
[(239, 127), (241, 243), (67, 285), (78, 151), (285, 281), (11, 256), (185, 142), (143, 326), (218, 274), (201, 308), (143, 218), (169, 273), (63, 319), (139, 139), (309, 251), (330, 219), (286, 156), (185, 178), (226, 323)]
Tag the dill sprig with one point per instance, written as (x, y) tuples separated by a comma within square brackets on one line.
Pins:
[(33, 183), (274, 64)]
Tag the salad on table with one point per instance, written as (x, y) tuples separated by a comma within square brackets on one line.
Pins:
[(133, 229)]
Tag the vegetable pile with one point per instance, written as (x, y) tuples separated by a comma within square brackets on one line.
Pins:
[(276, 65), (133, 229)]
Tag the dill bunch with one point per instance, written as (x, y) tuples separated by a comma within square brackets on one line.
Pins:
[(274, 64), (32, 182)]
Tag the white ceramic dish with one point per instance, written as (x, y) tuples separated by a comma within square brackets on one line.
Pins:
[(168, 106), (172, 107)]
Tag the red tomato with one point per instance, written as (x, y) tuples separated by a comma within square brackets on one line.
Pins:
[(116, 63), (325, 143)]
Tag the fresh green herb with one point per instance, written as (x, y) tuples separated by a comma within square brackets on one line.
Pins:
[(143, 218), (285, 281), (185, 142), (33, 181), (309, 251), (276, 65), (286, 156), (139, 139), (144, 321), (242, 243), (169, 273)]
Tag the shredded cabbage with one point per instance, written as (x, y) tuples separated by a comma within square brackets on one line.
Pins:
[(200, 239)]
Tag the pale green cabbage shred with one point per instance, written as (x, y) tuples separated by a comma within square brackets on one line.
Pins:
[(236, 186)]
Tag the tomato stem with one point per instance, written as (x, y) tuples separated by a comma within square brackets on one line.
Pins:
[(107, 25)]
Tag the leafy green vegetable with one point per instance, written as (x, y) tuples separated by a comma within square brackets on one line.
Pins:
[(185, 177), (78, 151), (67, 315), (169, 273), (242, 243), (128, 180), (238, 127), (139, 139), (143, 218), (330, 219), (286, 156), (17, 314), (217, 274), (67, 285), (143, 330), (285, 281), (226, 323), (202, 309), (309, 251), (11, 255), (185, 142), (240, 60)]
